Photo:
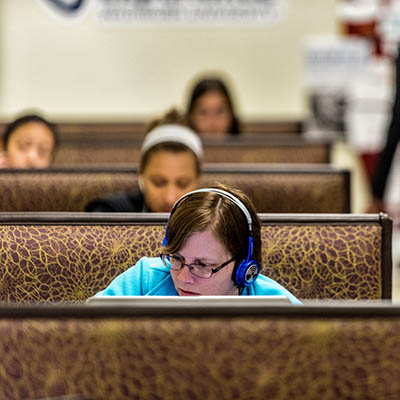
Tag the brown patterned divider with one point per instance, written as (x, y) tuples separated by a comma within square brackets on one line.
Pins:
[(287, 188), (69, 257), (122, 130), (273, 187), (299, 352), (255, 149)]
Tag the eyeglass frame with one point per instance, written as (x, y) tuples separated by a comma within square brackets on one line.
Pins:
[(190, 266)]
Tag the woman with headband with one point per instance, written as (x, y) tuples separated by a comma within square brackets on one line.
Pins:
[(170, 166), (212, 246)]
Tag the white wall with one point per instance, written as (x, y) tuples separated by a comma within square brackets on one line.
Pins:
[(79, 70)]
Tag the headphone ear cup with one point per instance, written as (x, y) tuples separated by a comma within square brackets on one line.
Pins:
[(165, 242), (246, 272)]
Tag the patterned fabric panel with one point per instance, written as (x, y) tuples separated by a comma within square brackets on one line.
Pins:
[(72, 263), (326, 262), (59, 191), (290, 193), (271, 193), (272, 153), (201, 358), (68, 263), (83, 154)]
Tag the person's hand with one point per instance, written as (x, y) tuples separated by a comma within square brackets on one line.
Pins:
[(376, 206)]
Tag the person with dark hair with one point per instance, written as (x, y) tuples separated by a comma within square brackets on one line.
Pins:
[(212, 246), (29, 141), (210, 109), (170, 166)]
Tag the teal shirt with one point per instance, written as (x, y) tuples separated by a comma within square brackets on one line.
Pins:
[(150, 277)]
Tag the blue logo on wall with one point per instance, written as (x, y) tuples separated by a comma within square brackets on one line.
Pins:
[(66, 6)]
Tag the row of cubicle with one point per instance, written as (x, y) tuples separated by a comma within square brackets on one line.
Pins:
[(343, 342)]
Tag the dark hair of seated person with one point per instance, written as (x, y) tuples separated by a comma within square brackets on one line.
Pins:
[(209, 85), (15, 124)]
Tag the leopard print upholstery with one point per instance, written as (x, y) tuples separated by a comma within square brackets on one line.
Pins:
[(55, 191), (241, 357), (53, 263), (330, 262), (312, 153), (271, 192), (81, 154), (290, 193), (78, 154), (71, 262)]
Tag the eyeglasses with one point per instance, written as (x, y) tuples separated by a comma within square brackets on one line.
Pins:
[(199, 270)]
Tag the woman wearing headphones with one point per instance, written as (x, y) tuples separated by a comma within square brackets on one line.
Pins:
[(212, 246)]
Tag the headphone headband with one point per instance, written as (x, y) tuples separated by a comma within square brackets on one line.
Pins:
[(223, 193)]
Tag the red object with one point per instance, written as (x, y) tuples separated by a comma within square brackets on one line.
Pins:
[(370, 161)]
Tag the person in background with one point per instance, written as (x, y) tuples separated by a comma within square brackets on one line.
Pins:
[(212, 246), (170, 166), (29, 141), (385, 160), (210, 109)]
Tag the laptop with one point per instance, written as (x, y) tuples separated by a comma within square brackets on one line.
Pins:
[(188, 301)]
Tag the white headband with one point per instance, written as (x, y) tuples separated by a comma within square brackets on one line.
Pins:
[(173, 134)]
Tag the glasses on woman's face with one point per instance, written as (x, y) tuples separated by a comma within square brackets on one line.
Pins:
[(199, 270)]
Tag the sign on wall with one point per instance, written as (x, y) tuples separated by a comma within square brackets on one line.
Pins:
[(176, 12)]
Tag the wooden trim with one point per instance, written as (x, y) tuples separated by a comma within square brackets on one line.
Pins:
[(387, 259), (309, 310), (162, 218)]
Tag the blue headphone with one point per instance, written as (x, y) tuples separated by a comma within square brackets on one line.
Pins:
[(246, 271)]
